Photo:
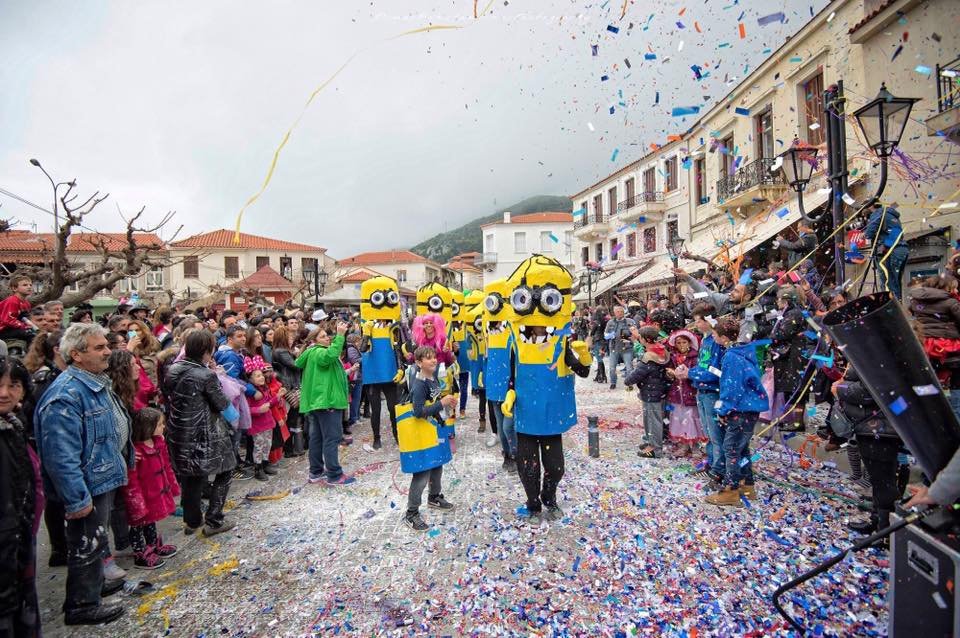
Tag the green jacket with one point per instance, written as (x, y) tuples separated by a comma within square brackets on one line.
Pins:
[(324, 379)]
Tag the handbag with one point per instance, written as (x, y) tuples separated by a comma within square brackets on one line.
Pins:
[(839, 422), (292, 397)]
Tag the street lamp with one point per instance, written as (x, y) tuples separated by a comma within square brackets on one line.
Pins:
[(797, 164), (882, 121), (586, 279)]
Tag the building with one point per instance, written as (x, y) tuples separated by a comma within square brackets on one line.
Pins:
[(214, 260), (408, 268), (469, 277), (508, 242), (731, 199), (266, 287)]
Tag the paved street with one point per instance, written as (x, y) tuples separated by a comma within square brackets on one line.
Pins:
[(638, 552)]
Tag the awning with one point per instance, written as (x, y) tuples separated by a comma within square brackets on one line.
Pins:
[(610, 280)]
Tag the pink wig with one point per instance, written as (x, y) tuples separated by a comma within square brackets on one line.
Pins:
[(439, 331)]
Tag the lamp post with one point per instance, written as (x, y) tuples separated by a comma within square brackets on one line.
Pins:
[(674, 250), (587, 278)]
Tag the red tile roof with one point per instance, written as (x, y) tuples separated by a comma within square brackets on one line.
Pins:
[(265, 279), (89, 242), (870, 16), (537, 218), (461, 265), (357, 277), (223, 238), (384, 257)]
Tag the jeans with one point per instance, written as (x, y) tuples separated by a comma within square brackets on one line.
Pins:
[(418, 481), (326, 431), (191, 492), (706, 401), (356, 392), (505, 428), (87, 546), (894, 265), (464, 380), (374, 390), (738, 430), (119, 525), (653, 425), (530, 451), (616, 357), (879, 456)]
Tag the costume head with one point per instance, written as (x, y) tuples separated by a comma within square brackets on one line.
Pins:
[(473, 306), (540, 294), (496, 302), (457, 315), (439, 339), (379, 300), (436, 298)]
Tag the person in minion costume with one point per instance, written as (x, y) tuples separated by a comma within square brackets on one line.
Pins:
[(496, 377), (477, 351), (541, 398), (457, 335), (381, 348), (435, 298)]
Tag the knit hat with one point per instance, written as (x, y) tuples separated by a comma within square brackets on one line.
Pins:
[(694, 342)]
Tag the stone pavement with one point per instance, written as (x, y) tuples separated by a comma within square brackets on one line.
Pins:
[(638, 551)]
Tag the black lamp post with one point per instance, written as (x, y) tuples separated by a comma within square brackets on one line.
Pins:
[(586, 279), (797, 164)]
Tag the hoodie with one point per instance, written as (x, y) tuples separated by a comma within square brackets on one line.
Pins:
[(886, 222), (710, 356), (741, 389), (936, 311), (650, 375), (232, 363)]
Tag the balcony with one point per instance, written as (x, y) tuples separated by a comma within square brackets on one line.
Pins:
[(648, 206), (487, 259), (591, 226), (751, 184), (947, 120)]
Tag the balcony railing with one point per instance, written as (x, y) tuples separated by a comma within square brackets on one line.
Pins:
[(488, 259), (587, 218), (640, 198), (946, 85), (756, 173)]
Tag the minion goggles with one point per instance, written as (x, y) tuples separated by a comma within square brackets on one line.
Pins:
[(435, 304), (526, 299), (380, 298)]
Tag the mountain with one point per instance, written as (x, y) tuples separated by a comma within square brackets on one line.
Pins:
[(467, 238)]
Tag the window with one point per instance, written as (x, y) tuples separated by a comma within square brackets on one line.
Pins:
[(612, 200), (401, 276), (520, 243), (763, 134), (673, 230), (670, 168), (650, 180), (726, 156), (262, 261), (74, 287), (546, 243), (568, 242), (490, 244), (598, 208), (286, 267), (650, 239), (614, 253), (631, 190), (191, 267), (585, 208), (154, 279), (231, 267), (700, 181), (813, 115), (585, 254), (632, 245), (599, 252)]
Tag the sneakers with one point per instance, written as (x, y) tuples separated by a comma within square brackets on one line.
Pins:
[(415, 522), (438, 502), (148, 560), (493, 439), (553, 513), (164, 551), (112, 571), (269, 468), (226, 525), (725, 497), (242, 474), (535, 519), (260, 474), (346, 440), (343, 479), (613, 386), (377, 443), (315, 478)]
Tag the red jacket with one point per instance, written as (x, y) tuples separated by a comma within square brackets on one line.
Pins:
[(262, 421), (151, 485), (11, 309)]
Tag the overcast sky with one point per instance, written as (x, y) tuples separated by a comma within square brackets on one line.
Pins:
[(180, 105)]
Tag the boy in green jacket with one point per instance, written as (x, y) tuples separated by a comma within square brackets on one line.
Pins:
[(323, 398)]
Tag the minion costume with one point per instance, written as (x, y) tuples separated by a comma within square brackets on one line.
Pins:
[(457, 335), (381, 348), (434, 298), (542, 398), (496, 378), (477, 350)]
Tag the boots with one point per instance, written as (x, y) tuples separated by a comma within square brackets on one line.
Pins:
[(728, 496), (601, 372), (268, 468)]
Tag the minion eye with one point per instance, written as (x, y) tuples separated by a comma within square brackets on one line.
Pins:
[(522, 300), (478, 324), (435, 303), (393, 297), (551, 300), (455, 308), (377, 299), (493, 303)]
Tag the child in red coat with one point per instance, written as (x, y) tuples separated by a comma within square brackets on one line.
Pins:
[(150, 490), (261, 416)]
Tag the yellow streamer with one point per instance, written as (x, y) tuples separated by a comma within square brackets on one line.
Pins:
[(286, 136)]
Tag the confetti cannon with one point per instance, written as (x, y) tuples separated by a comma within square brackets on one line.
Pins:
[(875, 337)]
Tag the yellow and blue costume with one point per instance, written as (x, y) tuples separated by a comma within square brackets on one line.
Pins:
[(497, 314), (476, 340), (380, 314), (423, 441)]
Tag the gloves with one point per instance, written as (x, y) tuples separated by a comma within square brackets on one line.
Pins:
[(480, 380), (507, 406), (398, 377), (582, 351)]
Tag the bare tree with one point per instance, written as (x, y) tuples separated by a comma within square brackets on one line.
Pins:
[(114, 263)]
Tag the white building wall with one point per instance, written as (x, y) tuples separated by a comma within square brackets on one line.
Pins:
[(500, 240)]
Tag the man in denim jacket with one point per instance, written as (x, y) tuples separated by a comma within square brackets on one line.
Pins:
[(83, 437)]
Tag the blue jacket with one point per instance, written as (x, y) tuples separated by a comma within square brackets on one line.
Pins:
[(892, 229), (232, 362), (77, 439), (711, 353), (741, 389)]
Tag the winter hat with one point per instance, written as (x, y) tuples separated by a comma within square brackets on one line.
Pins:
[(251, 364), (694, 342), (318, 315)]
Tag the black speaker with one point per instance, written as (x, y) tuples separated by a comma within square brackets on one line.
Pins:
[(874, 335)]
